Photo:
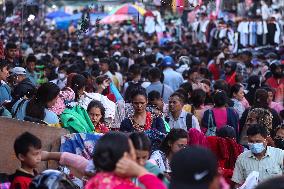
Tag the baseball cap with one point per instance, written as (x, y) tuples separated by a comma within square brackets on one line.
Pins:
[(19, 71), (168, 61), (193, 167)]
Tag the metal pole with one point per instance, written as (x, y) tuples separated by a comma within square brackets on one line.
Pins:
[(4, 8)]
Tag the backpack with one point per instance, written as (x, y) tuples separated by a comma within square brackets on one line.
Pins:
[(131, 87), (188, 120), (211, 130)]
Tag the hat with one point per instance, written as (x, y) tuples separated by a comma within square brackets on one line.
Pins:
[(148, 51), (19, 71), (193, 167), (168, 61), (117, 53)]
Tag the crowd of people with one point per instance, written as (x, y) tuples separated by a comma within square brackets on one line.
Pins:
[(188, 110)]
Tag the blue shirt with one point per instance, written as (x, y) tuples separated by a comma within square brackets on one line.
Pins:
[(33, 77), (5, 93), (50, 117), (172, 78), (158, 86)]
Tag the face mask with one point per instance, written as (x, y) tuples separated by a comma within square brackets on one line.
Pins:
[(279, 143), (256, 148), (61, 76)]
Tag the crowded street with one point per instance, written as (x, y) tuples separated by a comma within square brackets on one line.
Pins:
[(142, 94)]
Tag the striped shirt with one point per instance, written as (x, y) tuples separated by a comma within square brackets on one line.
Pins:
[(269, 166)]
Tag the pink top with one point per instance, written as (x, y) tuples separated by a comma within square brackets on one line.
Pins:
[(108, 180), (245, 103), (220, 115), (276, 106)]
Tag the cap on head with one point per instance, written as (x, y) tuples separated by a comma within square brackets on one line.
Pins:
[(193, 167), (168, 61), (18, 71)]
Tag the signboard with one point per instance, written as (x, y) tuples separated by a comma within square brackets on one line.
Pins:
[(10, 129)]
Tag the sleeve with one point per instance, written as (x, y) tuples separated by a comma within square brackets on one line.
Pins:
[(151, 182), (243, 120), (238, 176), (275, 120), (156, 157), (195, 123), (204, 122), (75, 161)]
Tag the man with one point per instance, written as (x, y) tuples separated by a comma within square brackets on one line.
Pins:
[(165, 91), (30, 65), (10, 54), (178, 118), (266, 160), (24, 88), (104, 67), (61, 81), (194, 168), (5, 90), (171, 77), (276, 81)]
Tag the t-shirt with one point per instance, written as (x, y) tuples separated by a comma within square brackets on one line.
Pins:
[(21, 180)]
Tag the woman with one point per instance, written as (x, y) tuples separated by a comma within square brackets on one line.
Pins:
[(260, 102), (237, 96), (141, 120), (36, 109), (96, 112), (114, 157), (279, 137), (142, 146), (219, 116), (174, 141), (198, 99), (272, 104), (78, 85)]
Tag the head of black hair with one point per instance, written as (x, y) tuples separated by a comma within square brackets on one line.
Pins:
[(109, 150), (37, 105), (198, 97), (219, 98), (3, 64), (154, 95), (24, 142), (180, 95), (154, 74), (235, 89), (138, 91), (221, 85), (260, 99), (187, 87), (11, 46), (140, 141), (78, 83), (257, 129), (97, 104), (31, 58), (226, 132), (275, 183), (173, 136)]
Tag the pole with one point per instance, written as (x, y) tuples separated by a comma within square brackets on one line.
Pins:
[(4, 8)]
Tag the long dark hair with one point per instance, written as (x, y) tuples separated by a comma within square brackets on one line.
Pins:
[(260, 99), (77, 83), (140, 141), (97, 104), (173, 136), (109, 149), (45, 93)]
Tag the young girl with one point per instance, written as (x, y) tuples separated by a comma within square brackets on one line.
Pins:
[(96, 112), (237, 95)]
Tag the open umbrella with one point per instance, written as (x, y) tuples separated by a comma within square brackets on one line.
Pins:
[(115, 18), (57, 14), (129, 9)]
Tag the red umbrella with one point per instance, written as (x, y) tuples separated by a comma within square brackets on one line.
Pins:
[(115, 18)]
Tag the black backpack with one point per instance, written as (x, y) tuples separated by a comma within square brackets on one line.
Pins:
[(188, 120)]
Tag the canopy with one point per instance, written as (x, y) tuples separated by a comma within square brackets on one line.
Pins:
[(129, 9), (57, 14), (115, 18)]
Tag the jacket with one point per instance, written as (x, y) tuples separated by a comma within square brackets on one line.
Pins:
[(77, 120), (24, 88), (5, 93)]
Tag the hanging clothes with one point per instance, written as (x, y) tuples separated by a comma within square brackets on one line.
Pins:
[(252, 33)]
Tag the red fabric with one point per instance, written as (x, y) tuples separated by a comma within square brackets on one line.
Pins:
[(149, 120), (196, 137), (21, 180), (101, 128), (110, 95), (105, 180), (274, 83), (227, 151), (213, 68), (231, 79)]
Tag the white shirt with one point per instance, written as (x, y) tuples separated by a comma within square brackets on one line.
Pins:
[(181, 121), (60, 83)]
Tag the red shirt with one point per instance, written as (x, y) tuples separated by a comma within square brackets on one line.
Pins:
[(21, 180)]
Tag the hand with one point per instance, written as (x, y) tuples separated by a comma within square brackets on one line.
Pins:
[(126, 167)]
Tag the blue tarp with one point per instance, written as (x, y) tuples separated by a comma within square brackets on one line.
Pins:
[(64, 22), (57, 14)]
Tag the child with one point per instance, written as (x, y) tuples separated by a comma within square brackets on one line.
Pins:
[(28, 150), (96, 112)]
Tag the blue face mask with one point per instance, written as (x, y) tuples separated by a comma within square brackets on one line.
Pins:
[(256, 148)]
